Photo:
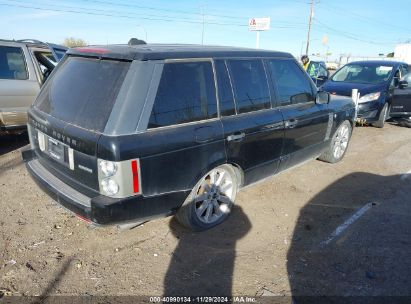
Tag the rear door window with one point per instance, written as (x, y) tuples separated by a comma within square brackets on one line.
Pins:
[(186, 93), (225, 91), (83, 91), (12, 63), (292, 84), (250, 85)]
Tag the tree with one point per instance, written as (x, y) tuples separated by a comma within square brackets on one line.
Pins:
[(74, 42)]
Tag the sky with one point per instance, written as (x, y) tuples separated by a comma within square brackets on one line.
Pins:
[(350, 27)]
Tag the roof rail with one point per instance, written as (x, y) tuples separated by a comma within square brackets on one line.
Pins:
[(30, 41)]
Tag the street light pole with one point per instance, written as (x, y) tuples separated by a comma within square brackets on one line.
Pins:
[(309, 26)]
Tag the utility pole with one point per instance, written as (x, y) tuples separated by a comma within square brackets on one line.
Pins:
[(202, 32), (309, 26)]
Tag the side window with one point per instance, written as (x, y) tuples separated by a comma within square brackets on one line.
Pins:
[(12, 64), (396, 78), (407, 78), (322, 72), (186, 93), (250, 85), (292, 84), (225, 91), (312, 69), (404, 70)]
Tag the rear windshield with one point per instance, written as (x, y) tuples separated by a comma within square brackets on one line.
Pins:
[(82, 91)]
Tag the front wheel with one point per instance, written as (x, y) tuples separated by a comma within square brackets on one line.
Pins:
[(383, 117), (338, 145), (211, 199)]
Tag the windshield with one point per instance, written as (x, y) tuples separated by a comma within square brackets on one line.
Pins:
[(82, 91), (363, 73)]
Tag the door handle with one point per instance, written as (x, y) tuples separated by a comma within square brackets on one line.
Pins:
[(236, 137), (289, 124)]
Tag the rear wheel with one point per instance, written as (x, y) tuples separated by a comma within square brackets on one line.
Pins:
[(210, 201), (383, 117), (338, 145)]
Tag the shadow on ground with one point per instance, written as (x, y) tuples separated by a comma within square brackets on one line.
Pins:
[(9, 143), (371, 257), (203, 263)]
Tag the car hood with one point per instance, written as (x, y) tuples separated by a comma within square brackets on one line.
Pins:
[(345, 88)]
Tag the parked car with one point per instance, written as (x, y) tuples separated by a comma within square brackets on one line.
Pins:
[(122, 134), (378, 83), (318, 72), (24, 66)]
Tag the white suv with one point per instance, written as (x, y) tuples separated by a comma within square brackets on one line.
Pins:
[(24, 66)]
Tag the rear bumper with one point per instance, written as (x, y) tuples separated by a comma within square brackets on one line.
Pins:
[(102, 210)]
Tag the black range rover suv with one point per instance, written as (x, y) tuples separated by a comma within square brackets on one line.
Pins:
[(122, 134)]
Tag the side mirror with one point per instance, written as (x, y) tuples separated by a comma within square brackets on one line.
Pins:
[(322, 97), (402, 84)]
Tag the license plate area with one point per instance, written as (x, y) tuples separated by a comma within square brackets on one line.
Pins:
[(56, 150)]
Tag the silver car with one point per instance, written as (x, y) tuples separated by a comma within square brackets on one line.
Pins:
[(24, 66)]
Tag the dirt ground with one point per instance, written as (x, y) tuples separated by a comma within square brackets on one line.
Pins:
[(281, 239)]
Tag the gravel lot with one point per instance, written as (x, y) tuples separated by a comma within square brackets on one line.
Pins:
[(282, 238)]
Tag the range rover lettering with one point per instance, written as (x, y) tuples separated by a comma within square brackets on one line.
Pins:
[(123, 134)]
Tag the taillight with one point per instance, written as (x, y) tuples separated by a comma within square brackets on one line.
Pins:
[(119, 179), (136, 177)]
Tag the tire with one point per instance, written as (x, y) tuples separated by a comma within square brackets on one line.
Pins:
[(211, 200), (338, 145), (383, 117)]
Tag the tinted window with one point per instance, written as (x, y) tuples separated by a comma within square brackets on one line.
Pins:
[(225, 92), (186, 93), (83, 91), (250, 85), (292, 84), (12, 64)]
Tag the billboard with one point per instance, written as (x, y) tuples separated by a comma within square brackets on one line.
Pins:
[(259, 24)]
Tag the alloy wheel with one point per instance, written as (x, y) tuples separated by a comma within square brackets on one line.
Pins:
[(341, 141), (214, 196)]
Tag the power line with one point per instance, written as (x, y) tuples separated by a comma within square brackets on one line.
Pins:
[(106, 13), (363, 18), (74, 11), (199, 14), (350, 35)]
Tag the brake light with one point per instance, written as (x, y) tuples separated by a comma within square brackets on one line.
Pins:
[(136, 177)]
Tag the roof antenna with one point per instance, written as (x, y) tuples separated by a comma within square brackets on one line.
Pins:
[(135, 41)]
